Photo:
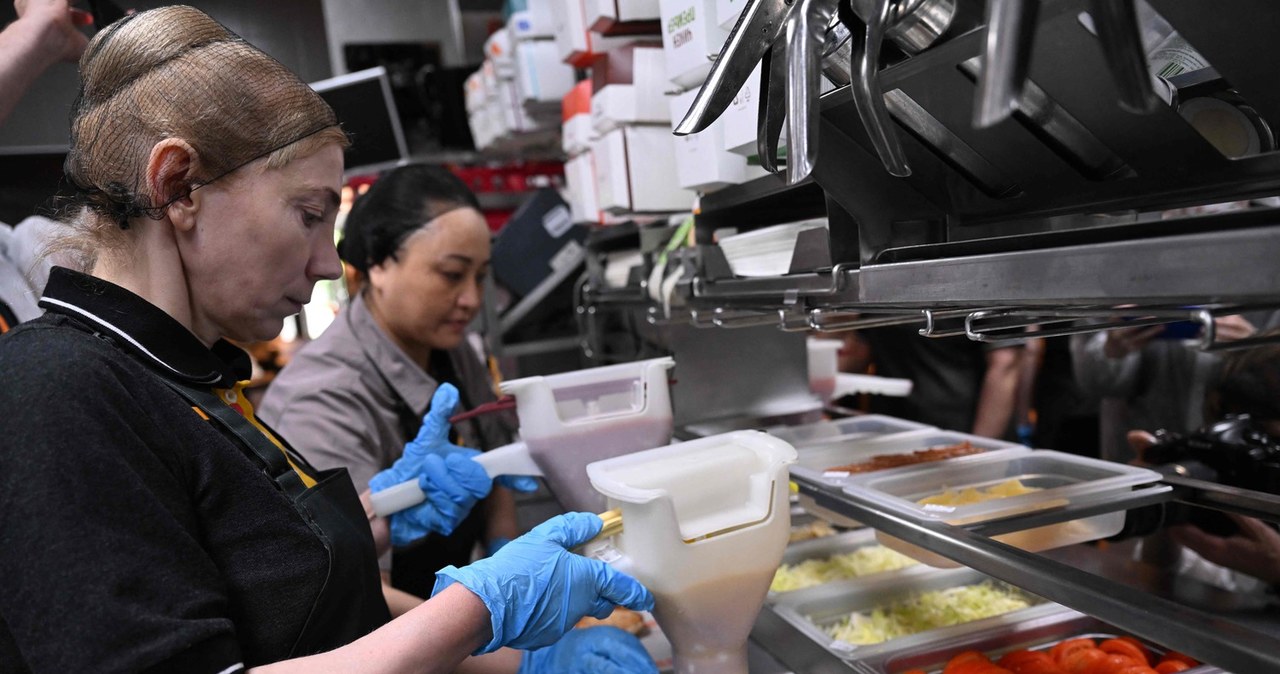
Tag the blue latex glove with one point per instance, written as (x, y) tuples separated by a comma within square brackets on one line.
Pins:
[(595, 650), (536, 590), (496, 543), (445, 472)]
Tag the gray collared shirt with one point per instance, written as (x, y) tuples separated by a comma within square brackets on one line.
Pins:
[(343, 399)]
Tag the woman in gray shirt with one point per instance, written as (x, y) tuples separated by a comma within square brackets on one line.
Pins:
[(358, 393)]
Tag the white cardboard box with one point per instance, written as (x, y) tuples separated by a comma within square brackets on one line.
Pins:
[(580, 180), (576, 134), (576, 44), (643, 101), (540, 74), (690, 34), (636, 171), (728, 11), (621, 10), (702, 162), (535, 22)]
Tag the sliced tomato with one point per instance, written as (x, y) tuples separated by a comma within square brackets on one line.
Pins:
[(1109, 663), (1029, 662), (961, 658), (1180, 657), (1081, 660), (983, 666), (1012, 659), (1137, 669), (1045, 666), (1060, 650), (1146, 652), (1171, 667), (1126, 647)]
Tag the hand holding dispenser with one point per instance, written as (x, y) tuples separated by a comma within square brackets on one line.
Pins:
[(705, 524), (567, 421)]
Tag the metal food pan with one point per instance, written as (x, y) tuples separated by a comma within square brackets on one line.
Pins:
[(814, 462), (849, 541), (1034, 634), (811, 613), (840, 430)]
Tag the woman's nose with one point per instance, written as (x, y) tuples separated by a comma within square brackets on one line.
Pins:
[(324, 262), (472, 295)]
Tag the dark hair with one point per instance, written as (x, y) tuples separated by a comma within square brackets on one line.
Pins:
[(397, 205), (1247, 383)]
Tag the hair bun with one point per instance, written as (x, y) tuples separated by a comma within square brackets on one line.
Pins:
[(139, 43)]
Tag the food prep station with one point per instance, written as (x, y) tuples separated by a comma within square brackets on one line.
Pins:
[(1073, 590), (1046, 218)]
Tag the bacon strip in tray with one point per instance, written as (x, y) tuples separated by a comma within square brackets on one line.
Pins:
[(884, 461)]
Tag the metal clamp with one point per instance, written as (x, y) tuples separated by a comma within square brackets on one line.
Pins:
[(933, 316), (856, 320)]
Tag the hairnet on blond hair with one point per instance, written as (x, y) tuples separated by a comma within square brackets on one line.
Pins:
[(174, 72)]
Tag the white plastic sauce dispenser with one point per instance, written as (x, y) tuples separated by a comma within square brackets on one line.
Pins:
[(567, 421), (705, 524)]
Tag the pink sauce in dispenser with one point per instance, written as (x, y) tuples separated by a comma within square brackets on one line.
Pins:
[(704, 526), (572, 419)]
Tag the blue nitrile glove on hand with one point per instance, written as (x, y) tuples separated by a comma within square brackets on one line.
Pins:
[(595, 650), (445, 472), (536, 590)]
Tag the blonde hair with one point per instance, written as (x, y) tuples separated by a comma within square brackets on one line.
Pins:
[(174, 72)]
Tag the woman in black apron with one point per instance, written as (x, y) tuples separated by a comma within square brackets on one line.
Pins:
[(150, 522)]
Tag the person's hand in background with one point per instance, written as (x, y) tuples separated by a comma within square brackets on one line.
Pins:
[(57, 25), (1230, 328), (1124, 341), (44, 34), (595, 650), (1253, 550)]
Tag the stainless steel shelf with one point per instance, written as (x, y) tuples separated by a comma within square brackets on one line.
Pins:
[(1214, 268), (1202, 635), (1228, 266)]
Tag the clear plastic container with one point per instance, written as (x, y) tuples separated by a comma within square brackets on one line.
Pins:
[(1038, 634), (1059, 480), (840, 544), (816, 458), (812, 614), (844, 430)]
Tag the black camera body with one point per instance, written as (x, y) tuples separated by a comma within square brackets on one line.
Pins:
[(1232, 452)]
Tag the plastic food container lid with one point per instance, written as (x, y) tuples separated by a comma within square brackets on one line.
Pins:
[(1058, 477)]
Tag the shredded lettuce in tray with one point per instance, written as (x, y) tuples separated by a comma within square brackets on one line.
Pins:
[(926, 611), (861, 562)]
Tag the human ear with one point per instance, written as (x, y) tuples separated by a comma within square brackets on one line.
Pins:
[(171, 171)]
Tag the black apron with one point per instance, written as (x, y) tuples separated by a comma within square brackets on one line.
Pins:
[(350, 604)]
